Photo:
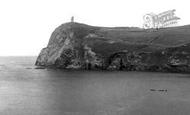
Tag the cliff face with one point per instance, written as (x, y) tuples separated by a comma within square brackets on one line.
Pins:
[(79, 46)]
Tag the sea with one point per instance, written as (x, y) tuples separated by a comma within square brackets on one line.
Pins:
[(25, 90)]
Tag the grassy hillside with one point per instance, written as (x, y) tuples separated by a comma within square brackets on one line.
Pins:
[(167, 37)]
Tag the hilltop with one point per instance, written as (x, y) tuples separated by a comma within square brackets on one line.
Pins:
[(80, 46)]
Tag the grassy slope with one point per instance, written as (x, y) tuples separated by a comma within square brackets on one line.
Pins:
[(167, 37)]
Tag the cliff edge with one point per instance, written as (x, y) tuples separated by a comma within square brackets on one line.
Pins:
[(79, 46)]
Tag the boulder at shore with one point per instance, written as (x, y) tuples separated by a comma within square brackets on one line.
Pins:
[(79, 46)]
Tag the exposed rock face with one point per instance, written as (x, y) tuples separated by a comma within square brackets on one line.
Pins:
[(79, 46)]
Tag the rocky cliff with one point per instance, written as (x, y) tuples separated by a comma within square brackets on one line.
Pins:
[(79, 46)]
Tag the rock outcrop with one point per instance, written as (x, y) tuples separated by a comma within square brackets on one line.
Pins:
[(79, 46)]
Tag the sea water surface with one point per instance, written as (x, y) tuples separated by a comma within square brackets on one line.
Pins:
[(25, 90)]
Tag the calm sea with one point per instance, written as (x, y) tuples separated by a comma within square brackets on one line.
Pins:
[(25, 90)]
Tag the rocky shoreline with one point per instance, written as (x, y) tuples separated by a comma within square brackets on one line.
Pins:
[(79, 46)]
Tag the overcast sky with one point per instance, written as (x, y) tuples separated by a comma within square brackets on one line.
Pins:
[(26, 25)]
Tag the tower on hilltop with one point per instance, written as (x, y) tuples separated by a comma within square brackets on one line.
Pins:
[(72, 19)]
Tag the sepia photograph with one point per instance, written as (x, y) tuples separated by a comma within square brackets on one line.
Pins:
[(94, 57)]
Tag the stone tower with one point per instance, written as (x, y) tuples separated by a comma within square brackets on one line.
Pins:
[(72, 19)]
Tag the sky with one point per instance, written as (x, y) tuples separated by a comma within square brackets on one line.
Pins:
[(26, 25)]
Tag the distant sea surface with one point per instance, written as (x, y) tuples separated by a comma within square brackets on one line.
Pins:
[(25, 90)]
